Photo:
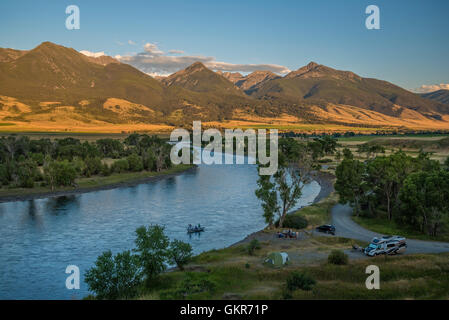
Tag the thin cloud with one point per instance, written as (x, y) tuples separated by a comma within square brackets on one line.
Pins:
[(131, 42), (176, 51), (432, 87), (154, 61)]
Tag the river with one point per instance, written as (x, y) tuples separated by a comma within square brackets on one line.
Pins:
[(40, 238)]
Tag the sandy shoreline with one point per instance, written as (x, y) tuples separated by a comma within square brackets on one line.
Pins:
[(122, 184)]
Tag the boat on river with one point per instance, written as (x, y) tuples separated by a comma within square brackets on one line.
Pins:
[(195, 229)]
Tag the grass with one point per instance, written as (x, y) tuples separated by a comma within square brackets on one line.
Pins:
[(318, 213), (423, 276), (387, 227), (94, 182)]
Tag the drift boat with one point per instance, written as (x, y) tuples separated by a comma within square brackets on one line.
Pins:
[(195, 229)]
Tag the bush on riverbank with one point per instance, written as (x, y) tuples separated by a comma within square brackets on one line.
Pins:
[(299, 280), (337, 257), (120, 276), (294, 221)]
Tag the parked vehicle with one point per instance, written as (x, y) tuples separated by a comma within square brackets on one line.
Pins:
[(326, 228), (386, 245)]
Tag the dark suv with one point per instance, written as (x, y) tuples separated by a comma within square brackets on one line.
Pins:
[(326, 228)]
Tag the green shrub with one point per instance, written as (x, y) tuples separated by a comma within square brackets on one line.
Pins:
[(38, 158), (92, 166), (294, 221), (135, 162), (120, 166), (298, 280), (253, 246), (60, 173), (180, 253), (337, 257), (114, 277), (105, 170), (193, 283)]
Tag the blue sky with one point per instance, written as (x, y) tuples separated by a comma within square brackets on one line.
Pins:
[(410, 50)]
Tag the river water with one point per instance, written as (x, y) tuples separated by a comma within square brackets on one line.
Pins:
[(40, 238)]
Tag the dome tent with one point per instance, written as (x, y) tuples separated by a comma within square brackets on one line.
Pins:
[(277, 259)]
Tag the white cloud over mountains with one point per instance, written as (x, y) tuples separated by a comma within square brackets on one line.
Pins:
[(432, 87), (154, 61), (92, 54)]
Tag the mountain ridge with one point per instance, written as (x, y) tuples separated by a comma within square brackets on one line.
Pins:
[(441, 95), (86, 89)]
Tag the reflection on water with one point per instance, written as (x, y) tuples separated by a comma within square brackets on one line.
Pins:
[(39, 238)]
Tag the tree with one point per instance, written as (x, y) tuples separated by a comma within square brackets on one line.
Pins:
[(347, 153), (180, 253), (59, 173), (267, 194), (149, 159), (316, 149), (288, 185), (162, 156), (424, 202), (387, 174), (328, 144), (27, 173), (152, 247), (370, 149), (132, 139), (114, 277), (120, 166), (92, 166), (350, 184), (289, 192), (110, 147), (135, 162)]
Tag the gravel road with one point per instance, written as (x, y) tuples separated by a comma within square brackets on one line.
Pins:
[(347, 228)]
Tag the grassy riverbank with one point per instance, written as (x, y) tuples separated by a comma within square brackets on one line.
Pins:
[(91, 184), (232, 273)]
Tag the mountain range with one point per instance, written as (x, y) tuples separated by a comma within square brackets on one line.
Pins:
[(439, 95), (55, 87)]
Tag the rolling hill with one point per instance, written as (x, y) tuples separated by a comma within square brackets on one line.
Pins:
[(54, 87), (321, 84), (440, 96)]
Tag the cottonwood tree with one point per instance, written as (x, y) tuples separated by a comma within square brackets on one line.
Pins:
[(350, 183), (114, 277), (152, 248), (424, 201), (180, 253), (279, 193)]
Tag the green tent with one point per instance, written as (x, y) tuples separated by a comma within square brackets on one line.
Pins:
[(277, 259)]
